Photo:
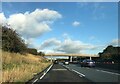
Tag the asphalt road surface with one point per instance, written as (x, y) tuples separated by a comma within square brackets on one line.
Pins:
[(75, 73), (96, 74), (58, 73)]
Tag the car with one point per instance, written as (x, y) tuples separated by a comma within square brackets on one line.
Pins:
[(87, 63), (66, 62), (56, 62)]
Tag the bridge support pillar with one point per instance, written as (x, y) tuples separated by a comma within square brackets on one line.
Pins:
[(90, 58), (70, 58), (51, 59)]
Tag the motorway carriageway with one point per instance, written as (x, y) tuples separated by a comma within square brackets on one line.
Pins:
[(75, 73)]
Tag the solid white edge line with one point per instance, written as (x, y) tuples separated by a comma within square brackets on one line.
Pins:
[(46, 72), (42, 75), (108, 72), (35, 81)]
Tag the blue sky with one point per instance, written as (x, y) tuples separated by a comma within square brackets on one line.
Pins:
[(65, 27)]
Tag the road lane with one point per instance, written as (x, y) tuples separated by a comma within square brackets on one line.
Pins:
[(58, 73), (94, 74)]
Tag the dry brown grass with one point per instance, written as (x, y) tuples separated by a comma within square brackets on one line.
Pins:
[(20, 68)]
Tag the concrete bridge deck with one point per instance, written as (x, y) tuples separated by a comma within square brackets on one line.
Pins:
[(77, 55)]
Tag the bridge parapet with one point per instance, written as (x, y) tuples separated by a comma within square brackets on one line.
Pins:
[(77, 55)]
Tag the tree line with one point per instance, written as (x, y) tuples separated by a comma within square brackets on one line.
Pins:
[(110, 53), (12, 42)]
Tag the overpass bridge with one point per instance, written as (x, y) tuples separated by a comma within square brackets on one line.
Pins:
[(72, 55), (76, 55)]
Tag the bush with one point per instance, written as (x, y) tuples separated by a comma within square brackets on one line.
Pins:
[(11, 41), (41, 53), (32, 51)]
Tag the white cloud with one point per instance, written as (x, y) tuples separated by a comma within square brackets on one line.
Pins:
[(30, 42), (115, 42), (49, 51), (50, 43), (34, 24), (76, 23), (70, 46), (66, 46)]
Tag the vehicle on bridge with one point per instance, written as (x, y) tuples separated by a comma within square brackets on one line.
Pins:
[(87, 63), (66, 62)]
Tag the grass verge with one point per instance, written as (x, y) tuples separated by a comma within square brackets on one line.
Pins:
[(21, 68)]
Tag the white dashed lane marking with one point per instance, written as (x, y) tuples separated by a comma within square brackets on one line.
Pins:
[(108, 72), (80, 74), (59, 69)]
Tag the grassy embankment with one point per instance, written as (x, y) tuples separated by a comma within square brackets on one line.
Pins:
[(21, 68)]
